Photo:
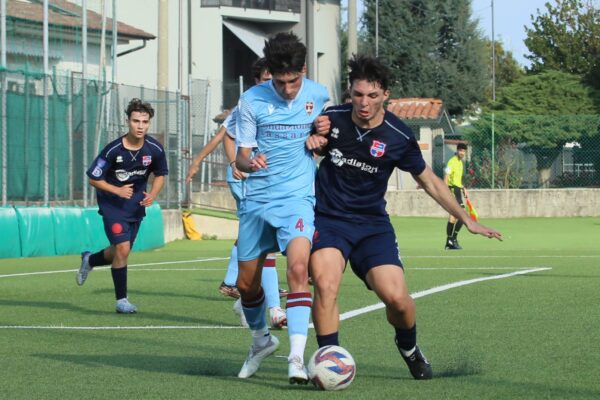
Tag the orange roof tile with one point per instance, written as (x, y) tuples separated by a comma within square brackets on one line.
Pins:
[(66, 14), (416, 108)]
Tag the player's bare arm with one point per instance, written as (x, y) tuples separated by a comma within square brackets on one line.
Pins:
[(438, 190), (125, 191), (246, 163), (157, 185), (206, 150), (229, 146)]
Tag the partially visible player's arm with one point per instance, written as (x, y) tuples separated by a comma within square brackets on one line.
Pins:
[(157, 185), (206, 150), (125, 191), (229, 145), (438, 190), (245, 163)]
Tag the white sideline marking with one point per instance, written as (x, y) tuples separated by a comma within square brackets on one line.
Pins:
[(343, 316), (131, 265), (438, 289)]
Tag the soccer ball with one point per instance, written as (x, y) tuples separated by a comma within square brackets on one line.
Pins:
[(331, 368)]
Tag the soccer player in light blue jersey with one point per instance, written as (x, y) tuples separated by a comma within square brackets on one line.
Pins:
[(274, 120), (236, 182)]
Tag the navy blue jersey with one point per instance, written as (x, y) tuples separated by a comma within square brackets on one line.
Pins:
[(119, 166), (353, 176)]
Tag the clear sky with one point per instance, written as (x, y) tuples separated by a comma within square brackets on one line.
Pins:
[(510, 17)]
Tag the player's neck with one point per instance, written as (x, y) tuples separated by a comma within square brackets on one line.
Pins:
[(132, 143), (370, 123)]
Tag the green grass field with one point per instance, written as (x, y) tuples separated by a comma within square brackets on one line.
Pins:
[(528, 336)]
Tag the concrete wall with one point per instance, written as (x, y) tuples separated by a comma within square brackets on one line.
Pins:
[(489, 203), (504, 203)]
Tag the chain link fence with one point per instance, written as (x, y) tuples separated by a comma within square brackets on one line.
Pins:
[(533, 151)]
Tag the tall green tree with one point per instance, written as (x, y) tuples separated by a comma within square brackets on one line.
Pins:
[(540, 113), (566, 37), (433, 47)]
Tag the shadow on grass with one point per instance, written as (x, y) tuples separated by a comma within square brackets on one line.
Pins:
[(271, 374), (146, 316)]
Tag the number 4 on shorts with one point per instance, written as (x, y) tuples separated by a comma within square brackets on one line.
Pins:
[(300, 225)]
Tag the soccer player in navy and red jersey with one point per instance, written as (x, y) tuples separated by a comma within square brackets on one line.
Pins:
[(120, 175), (273, 122), (363, 146)]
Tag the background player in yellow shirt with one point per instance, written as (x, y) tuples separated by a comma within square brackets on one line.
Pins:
[(453, 174)]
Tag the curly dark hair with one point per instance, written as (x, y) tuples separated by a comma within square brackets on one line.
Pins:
[(258, 67), (285, 53), (370, 69), (138, 105)]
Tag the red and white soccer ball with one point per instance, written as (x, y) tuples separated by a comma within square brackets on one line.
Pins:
[(331, 368)]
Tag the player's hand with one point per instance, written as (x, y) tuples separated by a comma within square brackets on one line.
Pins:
[(315, 142), (478, 229), (148, 200), (125, 191), (322, 125), (192, 170), (258, 162), (237, 174)]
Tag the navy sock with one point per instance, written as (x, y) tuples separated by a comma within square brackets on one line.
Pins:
[(406, 339), (457, 227), (98, 259), (328, 340), (119, 277)]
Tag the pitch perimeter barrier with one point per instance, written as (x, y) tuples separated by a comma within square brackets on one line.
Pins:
[(49, 231)]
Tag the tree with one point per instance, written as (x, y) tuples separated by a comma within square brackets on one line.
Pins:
[(540, 113), (507, 69), (434, 49), (566, 38)]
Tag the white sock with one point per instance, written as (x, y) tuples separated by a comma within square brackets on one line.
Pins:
[(297, 346), (261, 337)]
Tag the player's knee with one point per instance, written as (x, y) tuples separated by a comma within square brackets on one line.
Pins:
[(399, 303), (297, 272), (326, 286)]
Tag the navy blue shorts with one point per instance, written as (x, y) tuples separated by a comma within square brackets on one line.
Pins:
[(365, 245), (118, 231)]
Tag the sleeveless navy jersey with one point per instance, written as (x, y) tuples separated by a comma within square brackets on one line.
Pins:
[(353, 176), (119, 166)]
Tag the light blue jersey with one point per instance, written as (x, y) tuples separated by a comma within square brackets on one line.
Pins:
[(278, 128)]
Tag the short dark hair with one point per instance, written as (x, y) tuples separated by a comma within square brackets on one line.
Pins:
[(285, 53), (138, 105), (370, 69), (346, 96), (258, 68), (461, 146)]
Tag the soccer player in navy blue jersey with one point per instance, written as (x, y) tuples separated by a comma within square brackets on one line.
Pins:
[(273, 122), (362, 145), (120, 175)]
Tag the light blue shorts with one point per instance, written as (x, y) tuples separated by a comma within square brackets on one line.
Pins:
[(238, 192), (270, 227)]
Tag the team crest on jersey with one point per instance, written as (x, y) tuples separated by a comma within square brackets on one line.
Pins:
[(146, 160), (309, 106), (119, 159), (378, 148), (271, 108)]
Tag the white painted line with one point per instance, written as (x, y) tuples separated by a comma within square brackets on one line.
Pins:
[(131, 265), (438, 289), (111, 328), (343, 316)]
